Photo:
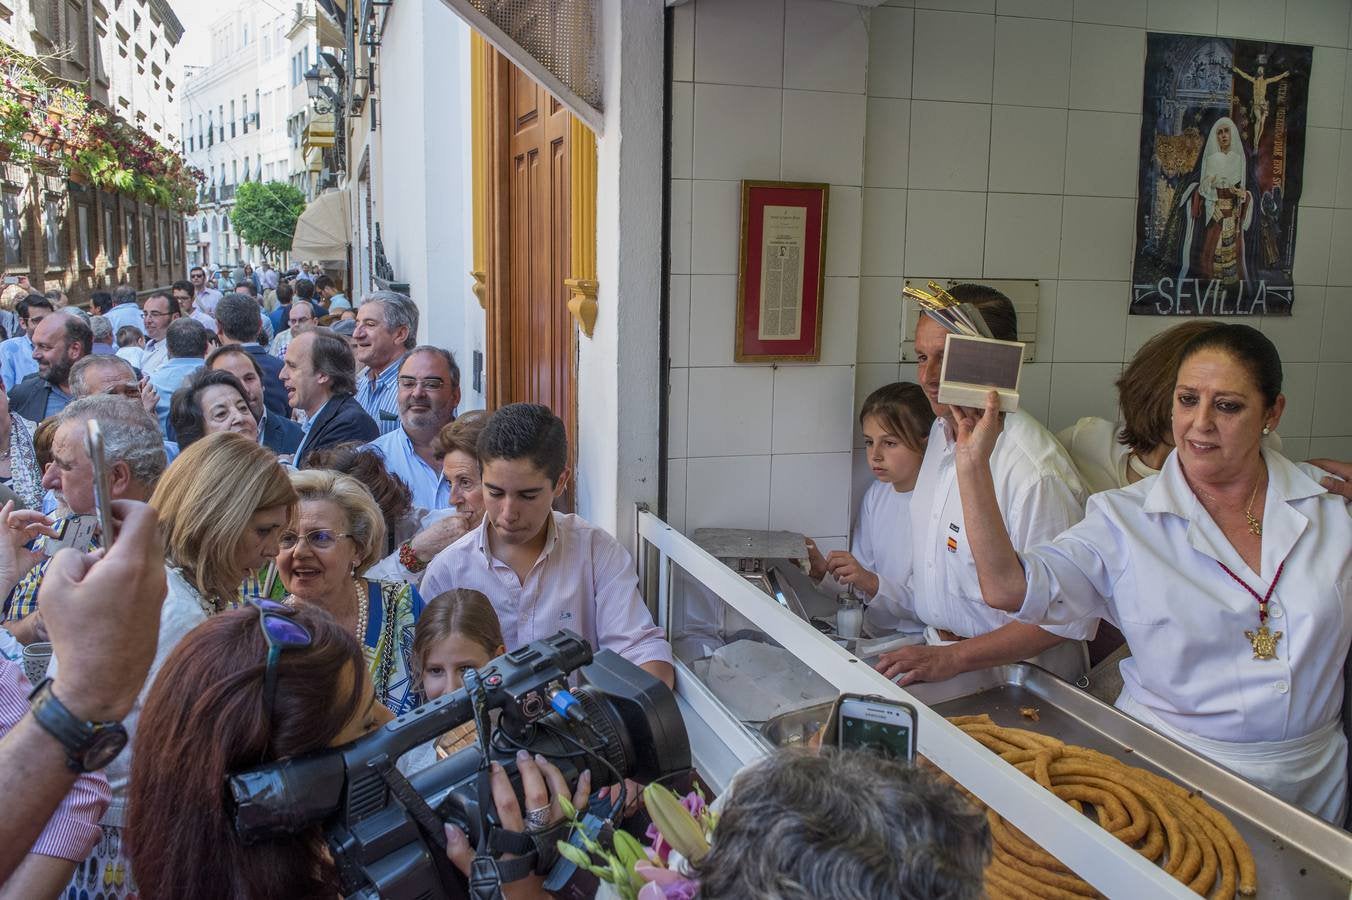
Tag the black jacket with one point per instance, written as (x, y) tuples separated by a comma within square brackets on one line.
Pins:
[(342, 419), (280, 435), (274, 394), (29, 397)]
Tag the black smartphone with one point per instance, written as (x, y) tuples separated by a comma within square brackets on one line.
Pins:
[(885, 727)]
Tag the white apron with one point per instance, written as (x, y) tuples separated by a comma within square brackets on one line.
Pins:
[(1309, 772)]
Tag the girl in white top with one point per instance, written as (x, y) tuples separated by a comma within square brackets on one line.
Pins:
[(896, 420), (1230, 573)]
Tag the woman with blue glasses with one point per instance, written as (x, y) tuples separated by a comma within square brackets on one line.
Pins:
[(337, 533)]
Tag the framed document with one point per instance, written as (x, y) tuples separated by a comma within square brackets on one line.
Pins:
[(780, 272)]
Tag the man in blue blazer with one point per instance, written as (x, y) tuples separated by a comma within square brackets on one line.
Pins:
[(238, 321), (320, 375), (277, 433)]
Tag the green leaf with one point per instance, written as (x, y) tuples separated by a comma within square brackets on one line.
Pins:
[(575, 855)]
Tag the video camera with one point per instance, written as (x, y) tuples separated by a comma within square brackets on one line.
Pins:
[(385, 831)]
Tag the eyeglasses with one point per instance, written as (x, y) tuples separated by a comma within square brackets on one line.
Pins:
[(153, 314), (408, 383), (280, 632), (319, 539)]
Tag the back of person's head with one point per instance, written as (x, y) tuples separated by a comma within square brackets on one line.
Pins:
[(57, 297), (367, 466), (305, 289), (462, 435), (185, 408), (237, 317), (332, 356), (903, 410), (460, 611), (846, 825), (124, 293), (129, 336), (1250, 348), (101, 327), (205, 501), (43, 435), (995, 308), (1145, 391), (130, 434), (183, 286), (526, 431), (284, 292), (186, 338), (204, 718), (88, 371), (100, 302), (366, 523)]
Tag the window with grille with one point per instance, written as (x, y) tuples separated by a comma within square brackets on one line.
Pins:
[(52, 233), (129, 237), (14, 229)]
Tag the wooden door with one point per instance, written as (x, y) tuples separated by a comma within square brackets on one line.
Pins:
[(532, 339)]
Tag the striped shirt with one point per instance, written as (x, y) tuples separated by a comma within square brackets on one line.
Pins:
[(379, 396), (73, 830)]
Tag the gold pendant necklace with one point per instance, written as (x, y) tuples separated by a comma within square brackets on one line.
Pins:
[(1255, 524)]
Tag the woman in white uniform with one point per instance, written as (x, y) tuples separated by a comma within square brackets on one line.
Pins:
[(1230, 573), (896, 421)]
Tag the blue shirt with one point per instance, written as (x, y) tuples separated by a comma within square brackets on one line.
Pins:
[(57, 400), (169, 378), (16, 360), (380, 398), (429, 486), (126, 314)]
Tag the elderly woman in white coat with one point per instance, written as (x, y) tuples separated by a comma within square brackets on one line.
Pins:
[(1230, 573)]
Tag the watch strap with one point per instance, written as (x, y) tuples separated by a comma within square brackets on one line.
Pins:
[(76, 735)]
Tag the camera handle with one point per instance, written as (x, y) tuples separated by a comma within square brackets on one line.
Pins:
[(485, 881)]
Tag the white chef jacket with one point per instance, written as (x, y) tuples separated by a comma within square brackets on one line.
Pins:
[(881, 544), (1146, 558), (1040, 496)]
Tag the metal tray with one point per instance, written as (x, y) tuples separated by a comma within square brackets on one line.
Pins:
[(1297, 855)]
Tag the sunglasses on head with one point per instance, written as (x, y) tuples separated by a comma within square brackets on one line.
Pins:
[(280, 632)]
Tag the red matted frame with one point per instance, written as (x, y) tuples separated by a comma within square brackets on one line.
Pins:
[(756, 195)]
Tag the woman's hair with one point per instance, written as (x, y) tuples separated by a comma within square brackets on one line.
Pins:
[(204, 719), (904, 410), (185, 409), (458, 611), (367, 466), (365, 522), (1250, 348), (205, 504), (44, 433), (462, 434), (1145, 392), (848, 825)]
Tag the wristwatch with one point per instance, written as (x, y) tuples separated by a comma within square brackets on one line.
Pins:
[(89, 745)]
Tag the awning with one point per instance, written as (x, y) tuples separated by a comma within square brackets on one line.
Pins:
[(322, 231)]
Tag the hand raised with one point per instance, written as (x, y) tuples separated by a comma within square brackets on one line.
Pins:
[(977, 430)]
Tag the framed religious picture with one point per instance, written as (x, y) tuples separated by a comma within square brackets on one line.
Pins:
[(780, 272), (1222, 153)]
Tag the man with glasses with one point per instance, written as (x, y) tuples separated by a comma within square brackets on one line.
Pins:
[(159, 311), (187, 301), (205, 297), (299, 317), (429, 391), (16, 354), (387, 328)]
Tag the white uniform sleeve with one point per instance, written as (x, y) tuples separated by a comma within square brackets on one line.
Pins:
[(1072, 578), (1037, 516)]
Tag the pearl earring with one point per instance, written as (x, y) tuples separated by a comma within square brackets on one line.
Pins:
[(1267, 429)]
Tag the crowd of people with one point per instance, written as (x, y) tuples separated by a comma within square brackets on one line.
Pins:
[(312, 539)]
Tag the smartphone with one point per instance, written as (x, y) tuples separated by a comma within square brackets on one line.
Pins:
[(103, 502), (878, 725), (11, 279)]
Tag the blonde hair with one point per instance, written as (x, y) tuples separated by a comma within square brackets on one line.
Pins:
[(205, 501), (365, 521), (458, 611)]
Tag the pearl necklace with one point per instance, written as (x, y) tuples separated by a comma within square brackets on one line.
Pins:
[(363, 608)]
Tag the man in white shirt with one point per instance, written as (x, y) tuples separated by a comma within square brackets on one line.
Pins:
[(429, 391), (1040, 496), (541, 569), (159, 311)]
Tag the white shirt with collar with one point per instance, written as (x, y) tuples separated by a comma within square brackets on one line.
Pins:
[(584, 580), (1148, 558), (156, 355), (1040, 496)]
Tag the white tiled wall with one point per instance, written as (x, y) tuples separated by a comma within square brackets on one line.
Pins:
[(964, 138)]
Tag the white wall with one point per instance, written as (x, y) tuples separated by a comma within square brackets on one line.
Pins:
[(967, 141), (421, 175)]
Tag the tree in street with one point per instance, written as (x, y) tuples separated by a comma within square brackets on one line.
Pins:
[(265, 214)]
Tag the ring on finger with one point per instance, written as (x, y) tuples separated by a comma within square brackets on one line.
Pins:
[(538, 819)]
